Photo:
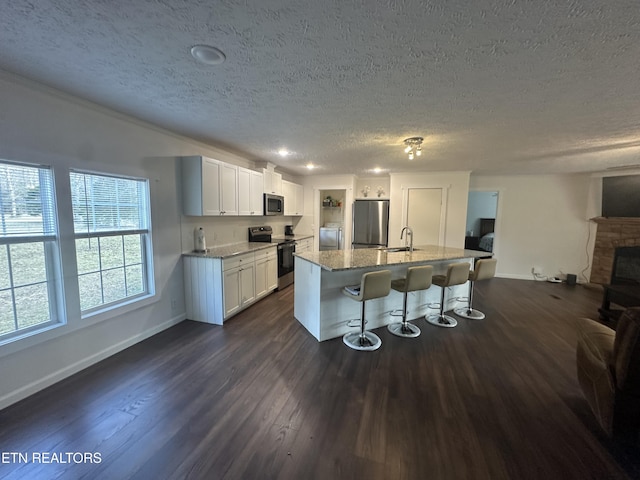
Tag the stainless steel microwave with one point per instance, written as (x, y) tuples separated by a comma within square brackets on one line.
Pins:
[(273, 204)]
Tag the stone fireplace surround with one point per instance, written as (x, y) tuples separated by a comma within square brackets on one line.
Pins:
[(612, 232)]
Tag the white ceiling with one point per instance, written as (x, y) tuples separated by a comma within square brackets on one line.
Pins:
[(500, 86)]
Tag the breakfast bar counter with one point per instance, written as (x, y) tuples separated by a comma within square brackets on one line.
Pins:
[(326, 313)]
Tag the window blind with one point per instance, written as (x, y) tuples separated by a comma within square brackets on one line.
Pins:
[(106, 204), (26, 201)]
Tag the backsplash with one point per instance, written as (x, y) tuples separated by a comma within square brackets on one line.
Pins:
[(225, 230)]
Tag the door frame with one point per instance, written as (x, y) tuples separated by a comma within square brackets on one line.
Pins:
[(496, 226)]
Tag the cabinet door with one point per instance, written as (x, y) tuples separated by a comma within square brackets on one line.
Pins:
[(256, 193), (289, 194), (228, 189), (261, 278), (244, 191), (247, 284), (299, 200), (232, 298), (276, 183), (210, 186), (272, 273)]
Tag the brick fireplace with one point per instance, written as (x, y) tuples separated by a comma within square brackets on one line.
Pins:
[(611, 233)]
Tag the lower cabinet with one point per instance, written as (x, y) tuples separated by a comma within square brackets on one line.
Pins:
[(305, 245), (216, 289)]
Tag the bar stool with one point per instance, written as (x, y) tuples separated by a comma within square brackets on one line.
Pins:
[(484, 269), (457, 274), (418, 278), (373, 285)]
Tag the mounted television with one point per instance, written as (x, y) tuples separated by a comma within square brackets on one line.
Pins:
[(621, 196)]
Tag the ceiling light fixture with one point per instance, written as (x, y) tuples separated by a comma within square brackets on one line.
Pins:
[(413, 146), (207, 54), (283, 152), (310, 166)]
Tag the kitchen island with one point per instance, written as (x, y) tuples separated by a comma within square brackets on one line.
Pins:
[(321, 307)]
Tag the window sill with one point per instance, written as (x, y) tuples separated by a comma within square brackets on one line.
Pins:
[(51, 332)]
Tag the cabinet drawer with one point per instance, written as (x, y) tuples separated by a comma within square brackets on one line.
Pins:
[(266, 253), (237, 261)]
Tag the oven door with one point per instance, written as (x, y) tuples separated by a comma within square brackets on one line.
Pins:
[(285, 258)]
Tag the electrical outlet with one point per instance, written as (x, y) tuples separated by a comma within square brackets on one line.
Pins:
[(174, 305)]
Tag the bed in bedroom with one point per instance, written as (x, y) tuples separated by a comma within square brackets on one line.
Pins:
[(487, 226)]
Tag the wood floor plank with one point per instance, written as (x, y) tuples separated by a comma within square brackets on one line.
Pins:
[(261, 398)]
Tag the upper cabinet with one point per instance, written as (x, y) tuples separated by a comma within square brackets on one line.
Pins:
[(293, 198), (272, 182), (250, 185), (213, 187)]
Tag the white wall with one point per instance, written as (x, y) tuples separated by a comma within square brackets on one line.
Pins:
[(542, 221), (43, 126), (456, 188)]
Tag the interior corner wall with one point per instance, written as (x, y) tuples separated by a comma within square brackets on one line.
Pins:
[(41, 125), (456, 185), (542, 221)]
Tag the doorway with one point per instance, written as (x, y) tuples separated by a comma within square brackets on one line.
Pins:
[(482, 209), (331, 231)]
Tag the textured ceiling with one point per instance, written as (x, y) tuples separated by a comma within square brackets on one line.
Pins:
[(501, 86)]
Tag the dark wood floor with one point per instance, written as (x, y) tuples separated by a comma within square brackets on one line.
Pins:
[(260, 398)]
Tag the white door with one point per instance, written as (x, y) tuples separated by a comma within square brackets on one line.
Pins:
[(244, 191), (231, 288), (424, 215), (229, 189), (210, 187)]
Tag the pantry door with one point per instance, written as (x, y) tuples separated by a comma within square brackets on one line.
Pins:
[(425, 215)]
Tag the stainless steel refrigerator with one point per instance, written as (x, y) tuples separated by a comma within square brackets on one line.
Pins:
[(370, 223)]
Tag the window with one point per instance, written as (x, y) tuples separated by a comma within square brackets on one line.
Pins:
[(111, 225), (29, 254)]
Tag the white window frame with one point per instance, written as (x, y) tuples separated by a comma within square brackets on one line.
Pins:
[(146, 248), (51, 247)]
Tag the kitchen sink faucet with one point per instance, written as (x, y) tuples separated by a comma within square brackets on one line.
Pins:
[(409, 234)]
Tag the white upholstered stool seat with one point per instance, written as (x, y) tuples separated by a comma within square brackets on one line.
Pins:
[(372, 285), (457, 274), (484, 269), (418, 278)]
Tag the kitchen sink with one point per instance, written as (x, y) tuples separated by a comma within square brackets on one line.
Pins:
[(399, 249)]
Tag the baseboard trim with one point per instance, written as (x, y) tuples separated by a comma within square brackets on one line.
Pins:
[(515, 276), (42, 383)]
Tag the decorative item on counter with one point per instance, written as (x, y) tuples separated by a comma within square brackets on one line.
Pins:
[(380, 191), (327, 201), (366, 190), (199, 242)]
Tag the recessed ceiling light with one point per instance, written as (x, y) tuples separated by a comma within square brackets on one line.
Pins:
[(207, 54), (283, 152), (377, 170), (310, 166)]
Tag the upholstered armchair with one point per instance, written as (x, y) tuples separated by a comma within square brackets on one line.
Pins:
[(608, 364)]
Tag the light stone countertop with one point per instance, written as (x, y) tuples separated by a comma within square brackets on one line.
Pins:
[(336, 260), (276, 238), (225, 251)]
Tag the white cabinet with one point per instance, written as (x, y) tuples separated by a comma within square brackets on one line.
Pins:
[(299, 200), (250, 186), (293, 198), (209, 187), (266, 271), (228, 189), (216, 289), (200, 186), (305, 245), (272, 182)]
